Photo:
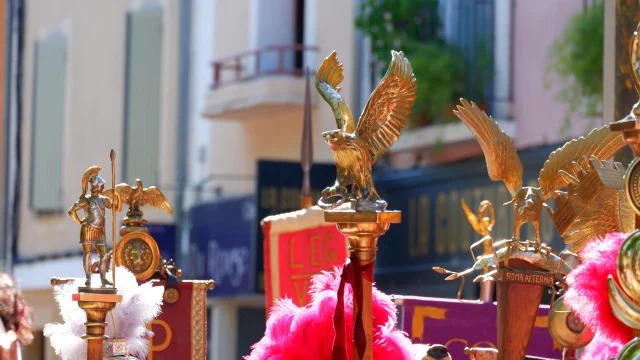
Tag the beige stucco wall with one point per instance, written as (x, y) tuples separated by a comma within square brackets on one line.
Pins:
[(94, 106), (237, 145), (539, 116)]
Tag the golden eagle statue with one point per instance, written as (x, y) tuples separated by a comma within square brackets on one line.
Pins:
[(504, 164), (136, 197), (356, 149)]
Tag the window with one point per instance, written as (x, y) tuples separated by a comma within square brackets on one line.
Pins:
[(142, 95), (279, 23), (48, 114)]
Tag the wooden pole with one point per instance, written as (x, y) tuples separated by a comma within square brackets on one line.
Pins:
[(306, 156), (96, 306)]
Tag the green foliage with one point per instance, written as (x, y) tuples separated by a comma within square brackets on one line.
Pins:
[(437, 67), (576, 58), (441, 70)]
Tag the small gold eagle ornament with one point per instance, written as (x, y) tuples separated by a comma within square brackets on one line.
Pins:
[(137, 196), (356, 149)]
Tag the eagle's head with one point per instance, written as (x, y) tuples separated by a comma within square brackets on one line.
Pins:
[(528, 201), (337, 139)]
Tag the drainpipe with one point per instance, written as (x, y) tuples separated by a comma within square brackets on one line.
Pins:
[(14, 16), (182, 133)]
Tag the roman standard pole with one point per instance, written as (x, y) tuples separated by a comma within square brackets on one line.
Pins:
[(306, 156)]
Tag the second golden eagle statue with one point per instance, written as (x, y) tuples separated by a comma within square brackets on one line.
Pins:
[(503, 163), (356, 149)]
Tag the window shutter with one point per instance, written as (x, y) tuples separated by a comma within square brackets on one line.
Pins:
[(48, 123), (142, 103)]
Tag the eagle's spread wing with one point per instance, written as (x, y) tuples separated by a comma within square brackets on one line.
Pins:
[(389, 106), (124, 190), (155, 198), (502, 159), (328, 77), (605, 214), (601, 143), (473, 219)]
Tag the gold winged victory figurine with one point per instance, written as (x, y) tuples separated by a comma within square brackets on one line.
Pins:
[(92, 230), (136, 197), (504, 164), (482, 223), (379, 126)]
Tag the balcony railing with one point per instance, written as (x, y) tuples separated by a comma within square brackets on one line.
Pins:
[(269, 60)]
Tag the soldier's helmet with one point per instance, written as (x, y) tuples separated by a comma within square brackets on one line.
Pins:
[(97, 183)]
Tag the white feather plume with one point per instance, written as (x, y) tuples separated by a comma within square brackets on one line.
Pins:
[(139, 306)]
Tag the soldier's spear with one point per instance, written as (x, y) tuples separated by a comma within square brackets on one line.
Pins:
[(112, 155)]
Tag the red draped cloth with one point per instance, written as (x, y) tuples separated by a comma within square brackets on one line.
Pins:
[(352, 273)]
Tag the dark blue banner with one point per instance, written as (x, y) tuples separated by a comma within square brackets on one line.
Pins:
[(222, 247), (434, 229), (278, 191)]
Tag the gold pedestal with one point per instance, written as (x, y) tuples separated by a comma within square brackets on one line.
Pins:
[(133, 222), (363, 229), (96, 303)]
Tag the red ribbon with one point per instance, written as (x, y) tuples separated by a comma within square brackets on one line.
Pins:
[(353, 274)]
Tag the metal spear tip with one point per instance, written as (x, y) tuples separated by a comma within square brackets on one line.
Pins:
[(112, 155)]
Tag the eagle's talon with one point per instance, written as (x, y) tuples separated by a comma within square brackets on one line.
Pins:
[(370, 206), (331, 192)]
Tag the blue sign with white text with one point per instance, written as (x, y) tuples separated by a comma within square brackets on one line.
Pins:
[(221, 246)]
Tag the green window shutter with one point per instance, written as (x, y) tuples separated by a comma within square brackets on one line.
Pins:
[(142, 103), (48, 123)]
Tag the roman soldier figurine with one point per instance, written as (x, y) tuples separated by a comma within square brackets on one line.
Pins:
[(92, 230)]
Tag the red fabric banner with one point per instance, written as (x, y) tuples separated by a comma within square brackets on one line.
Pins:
[(180, 332), (292, 258)]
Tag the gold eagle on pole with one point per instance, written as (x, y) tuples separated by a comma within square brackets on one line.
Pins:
[(356, 149), (503, 163)]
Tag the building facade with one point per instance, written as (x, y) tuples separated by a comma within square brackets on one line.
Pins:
[(97, 76), (205, 100)]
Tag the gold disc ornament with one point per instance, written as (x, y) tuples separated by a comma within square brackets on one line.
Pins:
[(566, 328), (171, 295), (139, 253)]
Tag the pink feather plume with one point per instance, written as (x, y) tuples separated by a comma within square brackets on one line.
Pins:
[(307, 332), (587, 296)]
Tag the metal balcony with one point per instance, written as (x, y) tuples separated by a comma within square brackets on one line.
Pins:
[(254, 82)]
